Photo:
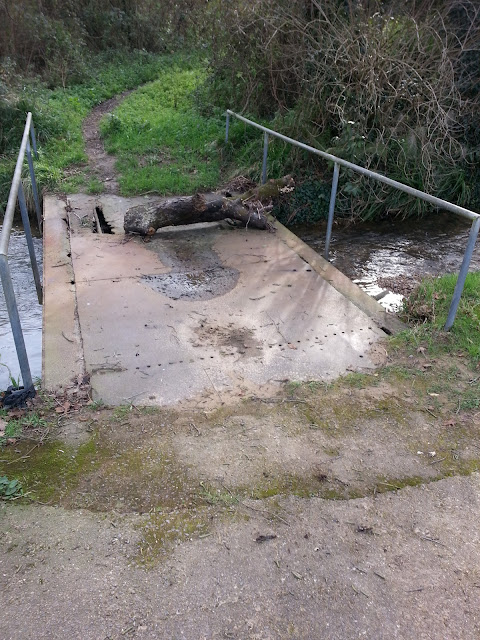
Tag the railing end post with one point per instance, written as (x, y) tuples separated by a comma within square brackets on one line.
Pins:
[(331, 209)]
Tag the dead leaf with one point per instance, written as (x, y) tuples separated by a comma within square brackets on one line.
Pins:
[(264, 538), (291, 346), (16, 413)]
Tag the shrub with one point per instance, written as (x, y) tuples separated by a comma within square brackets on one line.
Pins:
[(389, 87)]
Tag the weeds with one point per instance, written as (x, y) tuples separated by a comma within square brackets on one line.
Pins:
[(14, 428), (10, 489), (375, 83), (96, 405)]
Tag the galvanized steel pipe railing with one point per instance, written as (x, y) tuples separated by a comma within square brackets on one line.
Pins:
[(339, 162), (17, 194)]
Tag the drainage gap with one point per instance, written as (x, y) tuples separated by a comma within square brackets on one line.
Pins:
[(100, 225)]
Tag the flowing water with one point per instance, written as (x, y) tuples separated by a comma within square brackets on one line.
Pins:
[(394, 254), (28, 308)]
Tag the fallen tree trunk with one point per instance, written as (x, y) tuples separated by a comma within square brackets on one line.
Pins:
[(250, 209)]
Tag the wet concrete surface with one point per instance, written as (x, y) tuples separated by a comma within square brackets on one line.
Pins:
[(150, 343), (196, 270)]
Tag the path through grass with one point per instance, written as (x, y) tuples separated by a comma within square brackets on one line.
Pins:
[(58, 115)]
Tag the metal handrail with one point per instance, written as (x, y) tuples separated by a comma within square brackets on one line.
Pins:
[(339, 162), (17, 194)]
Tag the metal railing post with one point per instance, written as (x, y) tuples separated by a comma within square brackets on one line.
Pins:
[(339, 162), (462, 275), (227, 127), (265, 154), (331, 208), (29, 238), (15, 322), (34, 139), (34, 186)]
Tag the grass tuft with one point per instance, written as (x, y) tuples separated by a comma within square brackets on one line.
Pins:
[(427, 308)]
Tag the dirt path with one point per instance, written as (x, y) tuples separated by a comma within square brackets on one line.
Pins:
[(101, 164), (400, 566), (326, 512)]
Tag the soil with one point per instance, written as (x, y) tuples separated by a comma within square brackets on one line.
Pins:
[(101, 164), (326, 511)]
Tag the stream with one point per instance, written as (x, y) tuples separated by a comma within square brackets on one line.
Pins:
[(28, 308), (392, 254)]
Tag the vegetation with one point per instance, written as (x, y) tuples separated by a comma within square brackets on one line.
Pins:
[(392, 86), (162, 143), (10, 489), (58, 115), (427, 309)]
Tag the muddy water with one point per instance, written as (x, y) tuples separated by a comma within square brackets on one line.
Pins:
[(28, 308), (197, 273), (412, 248)]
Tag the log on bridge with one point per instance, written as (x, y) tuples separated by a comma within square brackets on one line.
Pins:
[(249, 208)]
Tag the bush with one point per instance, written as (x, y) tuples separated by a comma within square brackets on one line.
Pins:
[(387, 87)]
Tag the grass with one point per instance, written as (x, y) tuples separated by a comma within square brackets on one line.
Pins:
[(428, 307), (165, 140), (15, 427), (162, 142), (167, 143), (58, 115)]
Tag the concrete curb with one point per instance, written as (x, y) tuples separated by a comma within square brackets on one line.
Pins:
[(388, 322), (62, 351)]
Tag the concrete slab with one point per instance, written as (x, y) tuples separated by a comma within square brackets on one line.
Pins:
[(206, 312), (62, 347)]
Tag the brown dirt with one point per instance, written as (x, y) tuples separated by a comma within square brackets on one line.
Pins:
[(397, 566), (101, 164), (365, 491)]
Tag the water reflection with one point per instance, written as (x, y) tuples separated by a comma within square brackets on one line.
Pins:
[(28, 308), (370, 252)]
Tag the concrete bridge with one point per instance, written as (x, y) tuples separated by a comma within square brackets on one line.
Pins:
[(199, 314)]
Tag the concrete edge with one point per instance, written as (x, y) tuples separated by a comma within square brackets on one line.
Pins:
[(388, 322), (62, 349)]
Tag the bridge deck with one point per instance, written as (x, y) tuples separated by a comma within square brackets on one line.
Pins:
[(197, 314)]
